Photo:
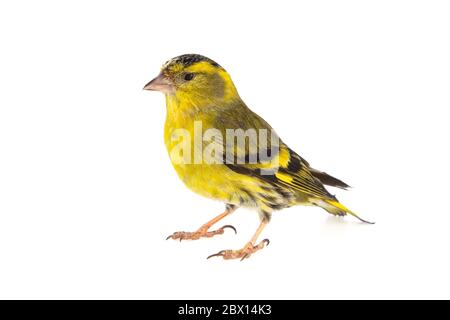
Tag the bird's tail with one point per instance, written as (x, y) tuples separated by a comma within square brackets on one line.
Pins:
[(337, 208), (328, 180)]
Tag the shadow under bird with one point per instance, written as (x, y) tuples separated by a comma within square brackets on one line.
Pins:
[(199, 90)]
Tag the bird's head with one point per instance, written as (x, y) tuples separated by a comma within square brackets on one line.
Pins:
[(194, 77)]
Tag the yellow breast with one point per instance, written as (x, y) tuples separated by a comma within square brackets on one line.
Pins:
[(184, 143)]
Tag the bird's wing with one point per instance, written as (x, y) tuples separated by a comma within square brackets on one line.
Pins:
[(285, 169), (282, 168)]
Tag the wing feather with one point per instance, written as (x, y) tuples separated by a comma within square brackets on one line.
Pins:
[(283, 168)]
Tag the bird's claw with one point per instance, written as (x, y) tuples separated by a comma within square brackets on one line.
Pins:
[(243, 253), (181, 236), (218, 254), (229, 227), (201, 233)]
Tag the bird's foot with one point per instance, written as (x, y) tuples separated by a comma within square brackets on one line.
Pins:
[(243, 253), (200, 233)]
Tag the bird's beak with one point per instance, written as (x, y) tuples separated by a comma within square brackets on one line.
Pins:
[(160, 83)]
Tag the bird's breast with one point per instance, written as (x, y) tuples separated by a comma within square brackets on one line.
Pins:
[(183, 137)]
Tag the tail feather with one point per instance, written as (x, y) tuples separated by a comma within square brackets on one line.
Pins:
[(328, 180), (337, 208), (340, 206)]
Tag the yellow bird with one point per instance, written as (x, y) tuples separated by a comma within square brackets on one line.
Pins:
[(224, 151)]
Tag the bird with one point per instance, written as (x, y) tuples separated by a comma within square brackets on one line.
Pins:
[(264, 175)]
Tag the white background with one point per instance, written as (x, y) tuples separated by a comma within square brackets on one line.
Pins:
[(87, 192)]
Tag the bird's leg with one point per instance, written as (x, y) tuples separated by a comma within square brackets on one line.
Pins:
[(250, 248), (203, 232)]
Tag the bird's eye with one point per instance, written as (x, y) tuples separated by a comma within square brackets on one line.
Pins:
[(188, 76)]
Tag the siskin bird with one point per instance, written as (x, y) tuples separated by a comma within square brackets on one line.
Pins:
[(199, 91)]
